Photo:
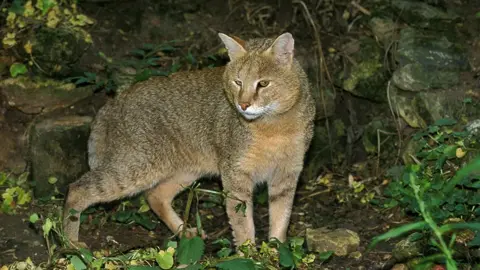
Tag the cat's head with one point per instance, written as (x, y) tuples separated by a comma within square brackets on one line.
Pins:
[(262, 77)]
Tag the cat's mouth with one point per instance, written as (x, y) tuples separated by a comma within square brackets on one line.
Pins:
[(251, 116), (251, 113)]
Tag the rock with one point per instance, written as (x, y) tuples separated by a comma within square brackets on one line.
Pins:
[(341, 241), (39, 95), (421, 10), (473, 127), (415, 77), (400, 267), (365, 75), (123, 77), (430, 50), (406, 249), (370, 137), (56, 50), (425, 107), (405, 104), (58, 150), (383, 29)]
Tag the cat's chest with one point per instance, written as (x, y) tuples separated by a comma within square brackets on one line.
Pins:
[(270, 151)]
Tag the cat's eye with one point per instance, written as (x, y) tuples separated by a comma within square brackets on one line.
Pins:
[(263, 83), (238, 82)]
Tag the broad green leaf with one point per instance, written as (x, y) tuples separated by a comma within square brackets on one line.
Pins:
[(77, 262), (190, 250), (224, 252), (237, 264), (123, 216), (461, 174), (87, 254), (144, 221), (143, 267), (17, 69), (286, 256), (164, 259), (445, 122), (192, 267), (475, 242), (17, 7), (172, 244), (325, 255), (397, 232), (34, 218)]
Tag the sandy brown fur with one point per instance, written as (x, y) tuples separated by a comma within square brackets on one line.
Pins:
[(167, 132)]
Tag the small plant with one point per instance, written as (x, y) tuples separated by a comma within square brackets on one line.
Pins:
[(434, 188), (440, 152), (25, 18), (438, 233), (15, 192)]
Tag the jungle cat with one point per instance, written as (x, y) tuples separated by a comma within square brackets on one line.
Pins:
[(248, 122)]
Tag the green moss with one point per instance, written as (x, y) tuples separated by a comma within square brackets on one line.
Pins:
[(37, 83)]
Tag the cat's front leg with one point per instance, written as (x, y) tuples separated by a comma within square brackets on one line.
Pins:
[(281, 192), (239, 188)]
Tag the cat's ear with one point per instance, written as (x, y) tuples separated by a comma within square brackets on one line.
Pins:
[(282, 49), (234, 45)]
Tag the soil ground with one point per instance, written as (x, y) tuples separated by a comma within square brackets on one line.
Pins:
[(122, 26)]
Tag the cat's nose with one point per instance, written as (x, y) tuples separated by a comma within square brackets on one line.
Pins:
[(244, 105)]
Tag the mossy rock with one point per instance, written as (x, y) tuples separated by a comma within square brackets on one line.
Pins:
[(55, 51), (58, 153), (365, 76), (37, 95)]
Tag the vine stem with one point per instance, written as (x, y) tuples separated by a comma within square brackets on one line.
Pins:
[(428, 218)]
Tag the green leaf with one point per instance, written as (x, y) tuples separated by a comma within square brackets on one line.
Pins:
[(445, 122), (325, 255), (237, 264), (143, 267), (123, 216), (87, 254), (397, 232), (477, 15), (138, 52), (77, 262), (190, 250), (224, 252), (172, 244), (17, 69), (475, 242), (52, 180), (460, 226), (224, 242), (164, 259), (34, 218), (450, 151), (193, 267), (144, 221), (461, 174), (17, 7), (286, 256), (47, 227)]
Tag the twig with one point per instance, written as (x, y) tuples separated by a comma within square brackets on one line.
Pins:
[(361, 9), (397, 123), (378, 147)]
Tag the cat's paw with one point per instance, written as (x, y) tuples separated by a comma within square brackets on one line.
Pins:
[(192, 232)]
